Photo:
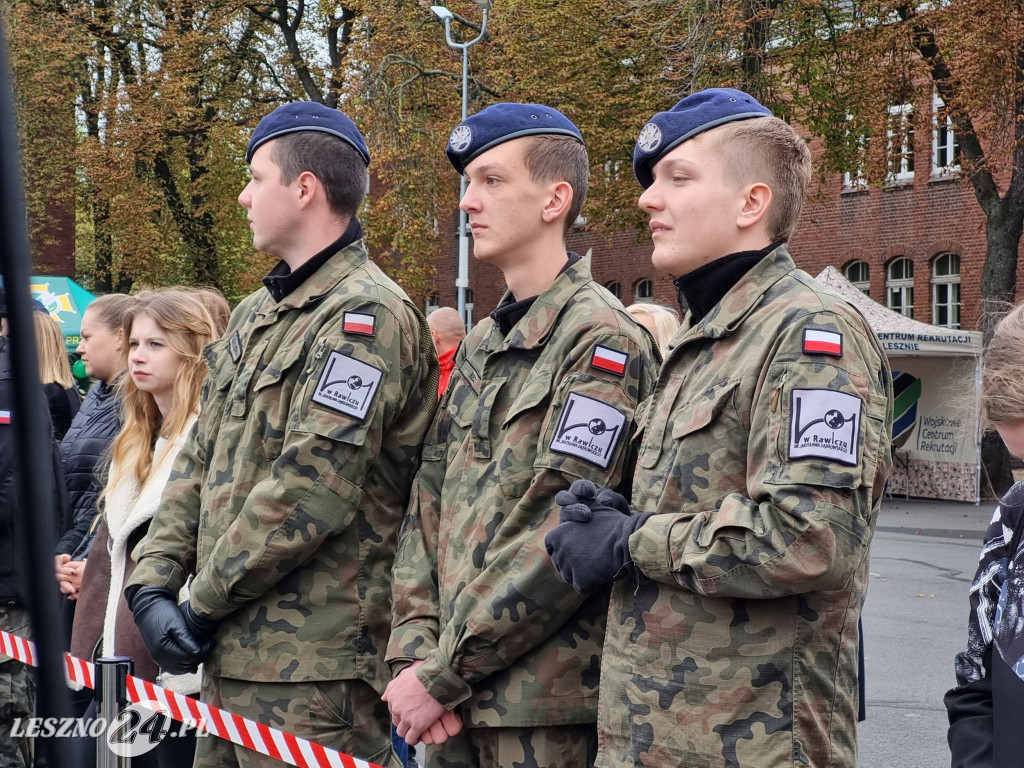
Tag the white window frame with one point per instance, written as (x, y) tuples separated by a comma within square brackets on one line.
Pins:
[(433, 302), (948, 282), (899, 160), (615, 288), (862, 285), (855, 181), (649, 284), (902, 287), (942, 132)]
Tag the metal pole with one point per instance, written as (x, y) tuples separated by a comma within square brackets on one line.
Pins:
[(462, 279), (35, 524), (112, 694)]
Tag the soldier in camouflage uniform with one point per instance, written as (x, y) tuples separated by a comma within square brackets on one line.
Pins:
[(543, 393), (287, 497), (732, 632)]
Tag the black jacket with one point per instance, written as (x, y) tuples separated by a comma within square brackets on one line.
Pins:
[(64, 404), (12, 556), (90, 434), (984, 718)]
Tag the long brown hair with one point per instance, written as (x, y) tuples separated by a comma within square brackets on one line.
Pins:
[(189, 327)]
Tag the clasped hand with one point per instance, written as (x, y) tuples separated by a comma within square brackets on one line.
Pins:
[(417, 715), (590, 545)]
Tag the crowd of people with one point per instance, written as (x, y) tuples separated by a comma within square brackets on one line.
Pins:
[(582, 534)]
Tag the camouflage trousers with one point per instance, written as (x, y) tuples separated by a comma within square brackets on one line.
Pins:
[(555, 746), (346, 715), (17, 694)]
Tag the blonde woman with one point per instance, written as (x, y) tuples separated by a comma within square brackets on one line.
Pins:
[(55, 373), (164, 334), (660, 320)]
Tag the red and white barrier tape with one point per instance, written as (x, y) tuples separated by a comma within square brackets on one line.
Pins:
[(227, 725)]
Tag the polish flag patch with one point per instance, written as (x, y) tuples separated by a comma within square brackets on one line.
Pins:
[(608, 359), (5, 417), (357, 322), (818, 342)]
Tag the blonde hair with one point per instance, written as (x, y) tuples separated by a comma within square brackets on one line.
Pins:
[(1002, 372), (54, 367), (110, 309), (768, 150), (189, 327), (215, 303), (664, 320)]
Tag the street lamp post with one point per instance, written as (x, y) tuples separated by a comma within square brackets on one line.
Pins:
[(446, 16)]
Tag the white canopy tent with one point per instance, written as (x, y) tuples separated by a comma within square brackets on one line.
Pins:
[(936, 373)]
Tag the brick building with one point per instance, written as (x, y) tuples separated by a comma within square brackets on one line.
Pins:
[(917, 245)]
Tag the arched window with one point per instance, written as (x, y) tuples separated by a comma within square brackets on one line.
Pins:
[(615, 287), (946, 290), (643, 291), (899, 286), (859, 275)]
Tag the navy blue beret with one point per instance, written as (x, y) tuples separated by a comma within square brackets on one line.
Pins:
[(499, 123), (306, 116), (695, 114)]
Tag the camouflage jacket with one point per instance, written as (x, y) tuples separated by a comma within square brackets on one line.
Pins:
[(287, 497), (524, 416), (763, 453)]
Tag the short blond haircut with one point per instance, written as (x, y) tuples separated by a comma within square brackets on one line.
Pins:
[(664, 322), (1002, 372), (768, 150), (54, 367)]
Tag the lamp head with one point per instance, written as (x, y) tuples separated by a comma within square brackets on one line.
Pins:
[(484, 5), (442, 13)]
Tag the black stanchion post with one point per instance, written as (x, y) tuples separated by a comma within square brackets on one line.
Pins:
[(35, 524), (112, 695)]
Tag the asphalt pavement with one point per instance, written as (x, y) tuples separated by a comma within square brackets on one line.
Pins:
[(923, 559)]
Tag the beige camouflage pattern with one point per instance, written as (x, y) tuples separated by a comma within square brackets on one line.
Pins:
[(560, 746), (742, 648), (475, 593), (287, 510)]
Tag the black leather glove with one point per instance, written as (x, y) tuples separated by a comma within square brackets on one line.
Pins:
[(202, 628), (590, 546), (165, 632)]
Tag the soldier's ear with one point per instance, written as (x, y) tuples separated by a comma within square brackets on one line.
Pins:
[(558, 201), (757, 199)]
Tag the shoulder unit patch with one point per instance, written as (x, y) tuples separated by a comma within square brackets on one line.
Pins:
[(608, 359), (359, 322), (819, 342), (824, 425), (588, 430), (347, 385)]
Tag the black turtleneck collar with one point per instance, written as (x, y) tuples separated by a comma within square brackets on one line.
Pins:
[(506, 315), (282, 280), (703, 288)]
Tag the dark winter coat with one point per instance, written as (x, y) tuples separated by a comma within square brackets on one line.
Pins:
[(11, 555), (64, 403), (92, 431)]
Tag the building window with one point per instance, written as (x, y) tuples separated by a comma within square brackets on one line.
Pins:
[(946, 290), (899, 286), (854, 180), (899, 131), (644, 290), (859, 275), (615, 287), (945, 147), (469, 308), (432, 303)]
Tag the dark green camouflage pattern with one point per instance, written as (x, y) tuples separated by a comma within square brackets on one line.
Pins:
[(742, 648), (475, 593), (288, 510), (17, 694)]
